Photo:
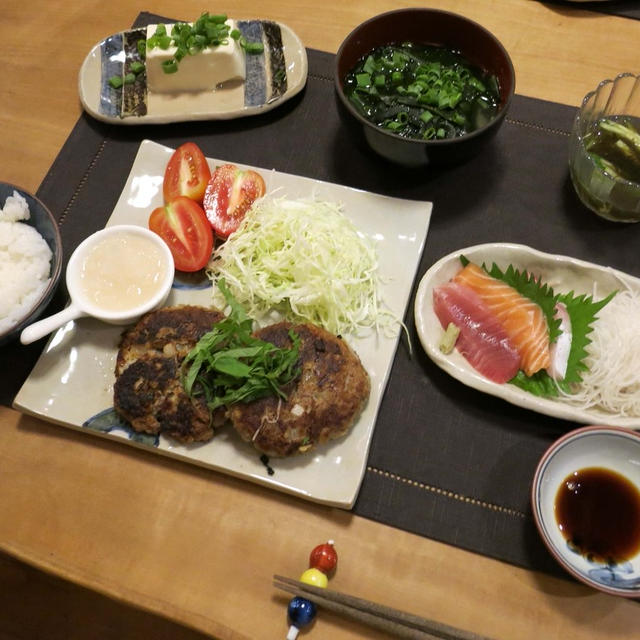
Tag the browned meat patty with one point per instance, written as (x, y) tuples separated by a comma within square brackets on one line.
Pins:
[(148, 392), (322, 404)]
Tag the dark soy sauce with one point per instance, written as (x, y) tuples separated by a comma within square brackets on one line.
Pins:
[(598, 512)]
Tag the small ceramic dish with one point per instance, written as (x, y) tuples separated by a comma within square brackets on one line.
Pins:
[(117, 290), (607, 450), (434, 27), (562, 273), (43, 221), (272, 78)]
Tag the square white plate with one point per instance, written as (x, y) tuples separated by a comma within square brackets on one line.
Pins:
[(72, 382)]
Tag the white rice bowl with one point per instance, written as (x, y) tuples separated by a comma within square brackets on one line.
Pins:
[(25, 263)]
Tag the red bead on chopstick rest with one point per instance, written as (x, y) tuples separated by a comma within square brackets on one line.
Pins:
[(324, 558), (322, 562)]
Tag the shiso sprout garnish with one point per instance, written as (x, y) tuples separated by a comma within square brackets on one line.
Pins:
[(230, 365)]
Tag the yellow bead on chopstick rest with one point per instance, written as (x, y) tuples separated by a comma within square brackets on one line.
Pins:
[(315, 577)]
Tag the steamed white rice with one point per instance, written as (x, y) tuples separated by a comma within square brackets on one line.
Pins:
[(25, 260)]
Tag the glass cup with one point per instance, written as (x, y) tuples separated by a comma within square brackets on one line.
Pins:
[(604, 149)]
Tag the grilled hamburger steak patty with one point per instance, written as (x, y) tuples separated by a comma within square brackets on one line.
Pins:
[(148, 392), (322, 403)]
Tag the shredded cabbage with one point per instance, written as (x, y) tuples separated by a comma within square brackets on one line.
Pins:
[(302, 260)]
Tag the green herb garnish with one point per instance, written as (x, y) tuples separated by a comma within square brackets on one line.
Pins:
[(229, 365), (582, 311), (189, 40), (136, 67), (116, 82)]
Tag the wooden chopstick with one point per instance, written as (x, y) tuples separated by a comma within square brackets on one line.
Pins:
[(399, 623)]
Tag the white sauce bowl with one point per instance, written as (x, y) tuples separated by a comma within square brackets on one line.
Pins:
[(115, 275)]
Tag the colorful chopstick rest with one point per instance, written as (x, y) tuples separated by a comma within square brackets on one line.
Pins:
[(301, 612)]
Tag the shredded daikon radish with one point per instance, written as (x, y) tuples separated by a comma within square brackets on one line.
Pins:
[(305, 261), (612, 382)]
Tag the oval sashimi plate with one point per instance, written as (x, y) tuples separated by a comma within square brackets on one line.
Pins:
[(272, 77), (563, 274)]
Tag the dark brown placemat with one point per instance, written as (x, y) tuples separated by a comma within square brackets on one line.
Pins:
[(446, 461)]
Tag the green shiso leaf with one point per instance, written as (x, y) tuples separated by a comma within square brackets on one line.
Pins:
[(539, 384), (582, 311)]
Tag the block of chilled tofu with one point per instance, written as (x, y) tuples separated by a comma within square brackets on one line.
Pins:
[(200, 72)]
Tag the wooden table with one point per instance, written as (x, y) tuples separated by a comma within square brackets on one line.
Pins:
[(200, 548)]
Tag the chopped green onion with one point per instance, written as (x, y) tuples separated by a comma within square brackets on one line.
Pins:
[(253, 47), (169, 66), (363, 79), (129, 78), (136, 67), (116, 81), (207, 31), (429, 133), (426, 115)]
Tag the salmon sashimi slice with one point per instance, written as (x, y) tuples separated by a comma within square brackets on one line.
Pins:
[(523, 319), (483, 340)]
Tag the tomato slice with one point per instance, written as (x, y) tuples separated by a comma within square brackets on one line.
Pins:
[(229, 195), (183, 225), (187, 174)]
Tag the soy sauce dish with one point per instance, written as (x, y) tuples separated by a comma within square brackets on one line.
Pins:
[(586, 504), (423, 86)]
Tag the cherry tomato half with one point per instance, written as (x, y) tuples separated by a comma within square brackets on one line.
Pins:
[(229, 195), (183, 226), (187, 174)]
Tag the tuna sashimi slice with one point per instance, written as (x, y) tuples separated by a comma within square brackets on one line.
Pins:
[(483, 341), (522, 318)]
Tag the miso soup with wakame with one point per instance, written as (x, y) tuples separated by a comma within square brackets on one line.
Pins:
[(422, 91)]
